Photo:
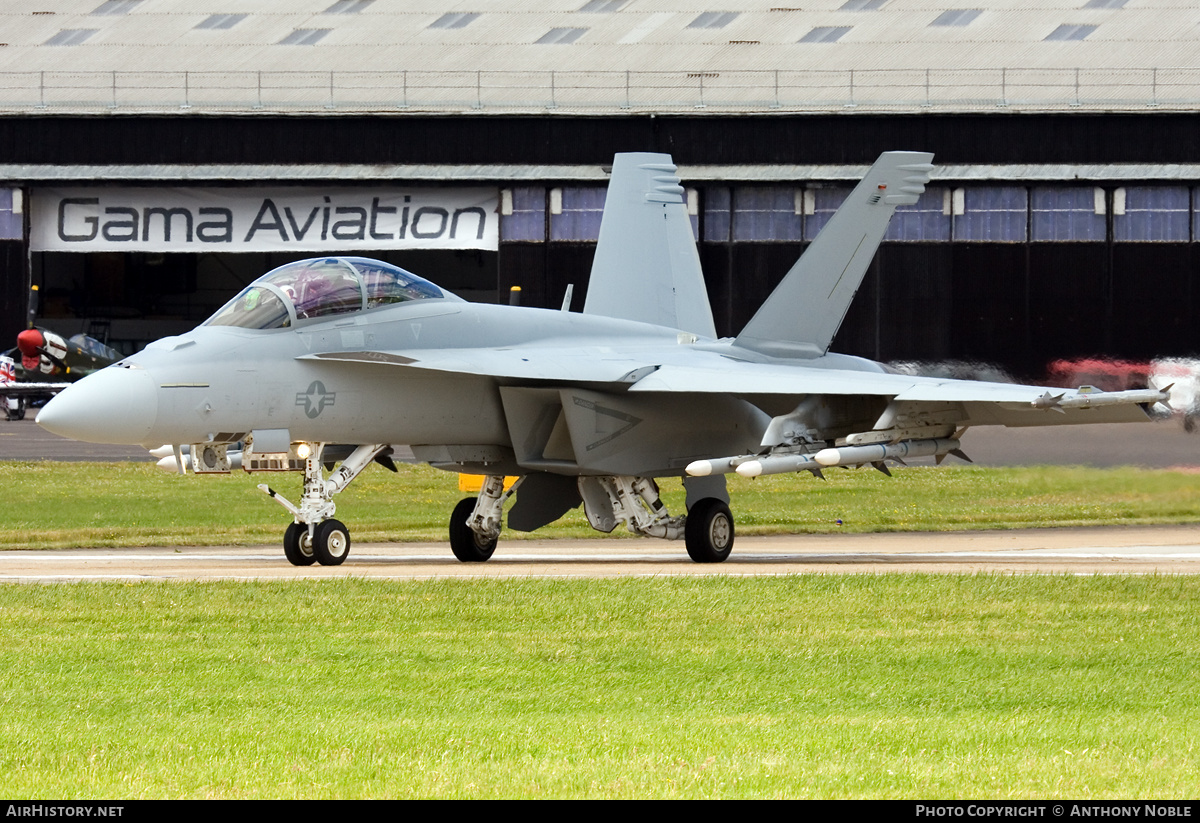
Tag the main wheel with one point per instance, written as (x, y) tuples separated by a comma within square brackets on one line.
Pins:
[(297, 546), (466, 545), (708, 531), (331, 542)]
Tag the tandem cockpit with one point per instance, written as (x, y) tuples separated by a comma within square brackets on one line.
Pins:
[(321, 288)]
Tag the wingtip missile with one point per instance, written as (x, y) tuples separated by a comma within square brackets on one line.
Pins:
[(1097, 399), (1165, 391), (1050, 401)]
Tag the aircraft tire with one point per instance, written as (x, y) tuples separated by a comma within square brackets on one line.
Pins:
[(708, 531), (331, 542), (465, 544), (296, 546)]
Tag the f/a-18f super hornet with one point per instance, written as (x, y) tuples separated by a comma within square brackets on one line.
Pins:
[(356, 358)]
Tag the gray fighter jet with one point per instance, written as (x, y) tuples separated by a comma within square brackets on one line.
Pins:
[(354, 358)]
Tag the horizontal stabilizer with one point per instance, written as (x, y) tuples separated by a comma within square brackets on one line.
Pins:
[(646, 266), (804, 312)]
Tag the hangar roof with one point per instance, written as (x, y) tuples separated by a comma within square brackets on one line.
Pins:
[(598, 56)]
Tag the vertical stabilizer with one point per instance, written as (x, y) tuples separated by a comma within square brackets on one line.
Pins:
[(804, 312), (647, 267)]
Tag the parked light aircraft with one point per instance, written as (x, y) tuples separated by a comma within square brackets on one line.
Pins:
[(584, 408), (47, 364)]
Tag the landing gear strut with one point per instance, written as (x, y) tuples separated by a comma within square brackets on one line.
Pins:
[(315, 536)]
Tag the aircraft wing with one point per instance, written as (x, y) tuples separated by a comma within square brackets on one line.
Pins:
[(980, 403), (977, 403)]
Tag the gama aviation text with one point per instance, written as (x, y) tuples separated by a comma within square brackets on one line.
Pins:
[(121, 223), (279, 219)]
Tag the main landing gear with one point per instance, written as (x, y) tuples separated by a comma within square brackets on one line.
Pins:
[(707, 529), (475, 524), (314, 536), (708, 532)]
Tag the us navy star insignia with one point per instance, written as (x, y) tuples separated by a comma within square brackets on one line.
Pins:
[(315, 399)]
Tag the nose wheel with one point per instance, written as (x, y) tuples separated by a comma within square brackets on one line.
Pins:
[(329, 544), (297, 545)]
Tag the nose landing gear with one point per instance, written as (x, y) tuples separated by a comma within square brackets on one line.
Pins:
[(314, 536)]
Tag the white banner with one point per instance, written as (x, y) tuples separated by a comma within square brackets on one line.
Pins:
[(278, 219)]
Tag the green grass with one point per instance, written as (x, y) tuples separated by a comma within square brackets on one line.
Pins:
[(54, 505), (814, 686)]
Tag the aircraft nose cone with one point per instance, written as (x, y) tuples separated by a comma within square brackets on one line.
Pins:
[(114, 405), (29, 341)]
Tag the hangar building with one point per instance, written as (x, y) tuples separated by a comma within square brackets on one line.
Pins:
[(156, 155)]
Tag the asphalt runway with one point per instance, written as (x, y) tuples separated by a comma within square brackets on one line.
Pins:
[(1134, 550), (1158, 445), (26, 440)]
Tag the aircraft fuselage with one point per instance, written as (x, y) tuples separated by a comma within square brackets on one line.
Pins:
[(216, 382)]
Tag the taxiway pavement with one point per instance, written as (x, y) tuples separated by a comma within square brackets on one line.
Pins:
[(1112, 550)]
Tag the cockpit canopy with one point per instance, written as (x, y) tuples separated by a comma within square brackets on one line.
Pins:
[(320, 288)]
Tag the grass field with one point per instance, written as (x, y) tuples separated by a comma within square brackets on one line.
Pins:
[(892, 686), (54, 505), (811, 686)]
